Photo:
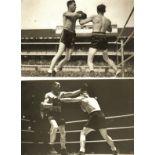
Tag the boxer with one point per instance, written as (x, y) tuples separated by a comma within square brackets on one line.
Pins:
[(67, 37), (96, 120), (101, 25), (52, 107)]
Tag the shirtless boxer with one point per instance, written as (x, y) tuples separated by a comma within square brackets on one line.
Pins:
[(52, 107), (67, 37), (101, 24), (96, 120)]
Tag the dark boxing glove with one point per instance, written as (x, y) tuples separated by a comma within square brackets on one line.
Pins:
[(83, 15), (56, 100)]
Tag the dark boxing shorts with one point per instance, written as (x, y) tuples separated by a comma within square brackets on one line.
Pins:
[(57, 116), (99, 41), (68, 38), (96, 120)]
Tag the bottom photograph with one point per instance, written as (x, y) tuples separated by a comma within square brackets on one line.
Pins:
[(77, 117)]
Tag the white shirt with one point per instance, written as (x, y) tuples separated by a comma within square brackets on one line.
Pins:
[(90, 105)]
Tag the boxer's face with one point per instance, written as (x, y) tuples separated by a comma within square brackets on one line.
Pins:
[(57, 86), (72, 7)]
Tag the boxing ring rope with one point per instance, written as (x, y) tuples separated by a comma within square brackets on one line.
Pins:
[(110, 117), (76, 142), (121, 49), (98, 141), (80, 121), (56, 43), (78, 131)]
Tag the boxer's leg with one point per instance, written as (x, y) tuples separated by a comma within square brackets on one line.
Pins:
[(63, 140), (91, 53), (109, 140), (109, 61), (53, 131), (65, 60), (83, 135), (56, 57)]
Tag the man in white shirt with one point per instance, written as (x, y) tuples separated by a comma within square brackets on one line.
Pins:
[(96, 120)]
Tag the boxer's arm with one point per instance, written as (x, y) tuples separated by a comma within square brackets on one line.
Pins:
[(109, 29), (68, 100), (46, 105), (72, 14), (71, 94), (85, 21), (46, 100)]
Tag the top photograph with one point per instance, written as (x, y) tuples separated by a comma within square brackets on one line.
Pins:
[(77, 38)]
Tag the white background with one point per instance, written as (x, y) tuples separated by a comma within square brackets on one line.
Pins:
[(10, 77)]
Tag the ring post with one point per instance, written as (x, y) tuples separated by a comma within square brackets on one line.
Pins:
[(122, 56), (117, 55)]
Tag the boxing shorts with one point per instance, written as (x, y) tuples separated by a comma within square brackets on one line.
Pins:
[(99, 41), (96, 120), (68, 38)]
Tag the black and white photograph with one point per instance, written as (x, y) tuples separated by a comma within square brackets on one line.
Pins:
[(77, 117), (77, 77), (81, 38)]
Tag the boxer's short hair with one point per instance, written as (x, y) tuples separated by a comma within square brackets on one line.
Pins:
[(70, 2), (101, 8), (54, 83)]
